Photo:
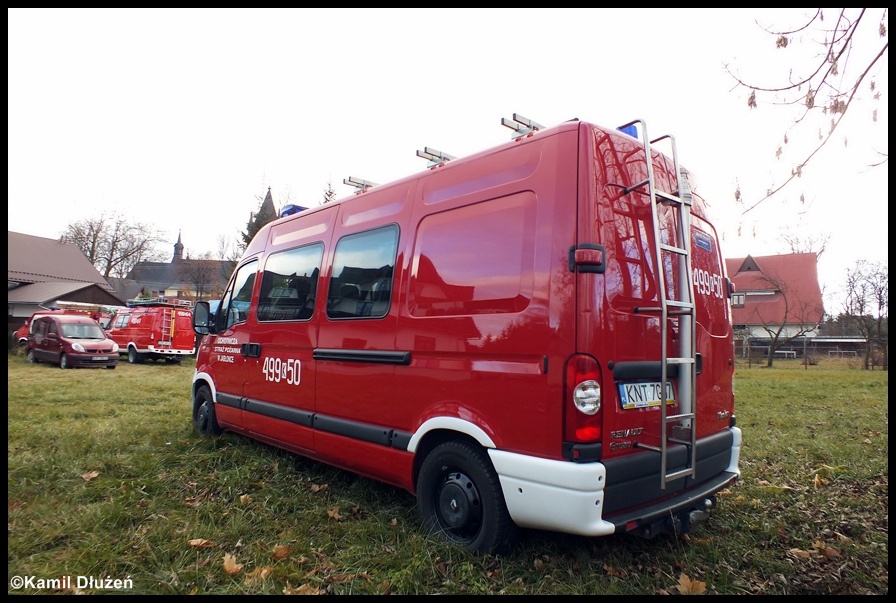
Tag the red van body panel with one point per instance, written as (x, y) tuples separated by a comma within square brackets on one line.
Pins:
[(511, 304)]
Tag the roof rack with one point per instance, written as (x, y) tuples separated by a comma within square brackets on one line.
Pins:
[(358, 183), (521, 126), (159, 301), (434, 157)]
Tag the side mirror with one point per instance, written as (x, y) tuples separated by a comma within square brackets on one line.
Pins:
[(202, 324)]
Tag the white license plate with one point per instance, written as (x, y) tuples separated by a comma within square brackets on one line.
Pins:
[(100, 358), (644, 395)]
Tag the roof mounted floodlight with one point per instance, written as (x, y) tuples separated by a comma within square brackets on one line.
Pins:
[(521, 125), (434, 157), (361, 185)]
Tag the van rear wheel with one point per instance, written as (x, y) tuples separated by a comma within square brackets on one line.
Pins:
[(460, 500), (134, 357)]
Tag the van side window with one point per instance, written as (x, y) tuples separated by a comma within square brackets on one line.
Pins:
[(361, 282), (234, 306), (289, 284), (122, 320)]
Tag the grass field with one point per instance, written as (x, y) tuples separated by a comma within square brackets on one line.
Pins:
[(107, 480)]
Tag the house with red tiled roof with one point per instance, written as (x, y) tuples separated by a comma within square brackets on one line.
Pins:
[(775, 297)]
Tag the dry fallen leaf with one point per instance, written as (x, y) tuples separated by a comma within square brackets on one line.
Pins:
[(686, 586), (334, 514), (258, 574), (800, 553), (828, 551), (230, 564), (305, 589), (245, 499), (90, 475), (201, 543), (613, 571), (281, 552), (827, 471), (318, 488)]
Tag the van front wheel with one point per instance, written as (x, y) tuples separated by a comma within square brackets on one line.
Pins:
[(204, 413), (460, 500)]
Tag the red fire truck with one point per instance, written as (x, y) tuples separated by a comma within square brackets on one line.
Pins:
[(537, 335), (158, 328)]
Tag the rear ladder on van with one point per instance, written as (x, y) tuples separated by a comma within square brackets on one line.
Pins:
[(167, 326), (680, 303)]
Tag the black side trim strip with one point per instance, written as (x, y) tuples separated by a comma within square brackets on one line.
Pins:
[(228, 400), (285, 413), (354, 430), (383, 436), (372, 356)]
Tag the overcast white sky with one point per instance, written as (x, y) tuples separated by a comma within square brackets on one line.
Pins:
[(181, 119)]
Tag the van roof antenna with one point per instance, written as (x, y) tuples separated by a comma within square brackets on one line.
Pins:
[(523, 126), (434, 157), (361, 185)]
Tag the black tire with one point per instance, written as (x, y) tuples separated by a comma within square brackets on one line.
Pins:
[(110, 367), (63, 362), (29, 355), (134, 357), (204, 413), (460, 500)]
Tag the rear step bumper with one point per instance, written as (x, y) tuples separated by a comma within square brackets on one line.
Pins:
[(677, 514)]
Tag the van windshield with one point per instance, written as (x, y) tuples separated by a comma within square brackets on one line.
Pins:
[(82, 332)]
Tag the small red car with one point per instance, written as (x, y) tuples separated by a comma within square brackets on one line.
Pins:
[(24, 331), (70, 340)]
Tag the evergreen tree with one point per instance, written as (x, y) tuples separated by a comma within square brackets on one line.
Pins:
[(265, 214), (329, 192)]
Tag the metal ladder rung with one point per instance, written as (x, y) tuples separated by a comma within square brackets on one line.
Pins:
[(683, 308), (670, 197), (673, 249), (684, 360), (680, 474), (679, 303), (682, 416)]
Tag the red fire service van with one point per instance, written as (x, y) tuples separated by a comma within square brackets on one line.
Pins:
[(537, 335), (158, 328)]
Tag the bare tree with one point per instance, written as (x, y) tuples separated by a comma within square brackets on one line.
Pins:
[(112, 244), (810, 243), (228, 256), (825, 88), (201, 274), (867, 306), (800, 316)]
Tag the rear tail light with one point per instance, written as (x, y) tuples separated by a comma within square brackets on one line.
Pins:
[(582, 400)]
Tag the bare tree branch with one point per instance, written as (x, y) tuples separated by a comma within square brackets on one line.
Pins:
[(822, 81)]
